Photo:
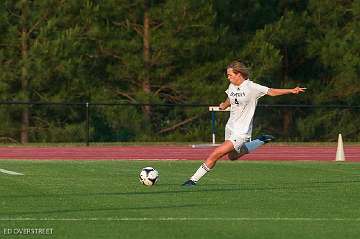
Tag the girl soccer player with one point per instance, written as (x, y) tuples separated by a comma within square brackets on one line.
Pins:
[(243, 95)]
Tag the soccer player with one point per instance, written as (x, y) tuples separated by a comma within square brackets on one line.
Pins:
[(242, 97)]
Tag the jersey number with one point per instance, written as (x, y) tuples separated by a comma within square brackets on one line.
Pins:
[(236, 101)]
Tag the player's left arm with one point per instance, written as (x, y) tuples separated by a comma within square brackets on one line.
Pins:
[(277, 92)]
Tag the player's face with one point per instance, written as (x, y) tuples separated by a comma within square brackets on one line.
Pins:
[(234, 78)]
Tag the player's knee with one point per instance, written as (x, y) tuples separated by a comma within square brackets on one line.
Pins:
[(233, 155)]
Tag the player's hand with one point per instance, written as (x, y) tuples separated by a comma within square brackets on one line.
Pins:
[(298, 90), (222, 106)]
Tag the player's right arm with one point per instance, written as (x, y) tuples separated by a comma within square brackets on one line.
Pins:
[(225, 104), (277, 92)]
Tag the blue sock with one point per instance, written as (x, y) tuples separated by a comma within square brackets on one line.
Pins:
[(254, 144)]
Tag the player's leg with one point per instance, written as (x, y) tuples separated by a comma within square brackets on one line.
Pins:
[(220, 151), (210, 162), (249, 147), (234, 155)]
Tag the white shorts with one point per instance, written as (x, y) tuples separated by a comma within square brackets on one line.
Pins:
[(236, 140)]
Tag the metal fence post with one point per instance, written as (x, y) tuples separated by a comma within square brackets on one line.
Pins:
[(213, 130), (87, 124)]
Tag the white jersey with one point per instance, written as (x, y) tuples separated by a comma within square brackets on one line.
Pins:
[(243, 100)]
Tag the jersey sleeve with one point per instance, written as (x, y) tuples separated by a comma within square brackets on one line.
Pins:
[(227, 91), (259, 90)]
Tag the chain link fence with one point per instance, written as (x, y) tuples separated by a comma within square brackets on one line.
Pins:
[(86, 123)]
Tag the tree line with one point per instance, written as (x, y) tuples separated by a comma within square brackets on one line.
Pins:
[(174, 52)]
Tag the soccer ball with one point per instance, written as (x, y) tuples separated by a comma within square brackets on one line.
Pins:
[(149, 176)]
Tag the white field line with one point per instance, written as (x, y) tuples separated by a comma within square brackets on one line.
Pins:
[(9, 172), (183, 219)]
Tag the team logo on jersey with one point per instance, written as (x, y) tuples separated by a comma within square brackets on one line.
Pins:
[(241, 94)]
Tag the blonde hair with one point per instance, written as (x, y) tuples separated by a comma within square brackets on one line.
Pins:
[(239, 67)]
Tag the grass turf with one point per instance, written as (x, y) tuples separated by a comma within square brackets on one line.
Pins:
[(243, 199)]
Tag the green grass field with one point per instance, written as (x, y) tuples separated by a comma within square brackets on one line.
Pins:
[(104, 199)]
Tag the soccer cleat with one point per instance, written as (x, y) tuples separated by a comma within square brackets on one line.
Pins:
[(189, 183), (266, 138)]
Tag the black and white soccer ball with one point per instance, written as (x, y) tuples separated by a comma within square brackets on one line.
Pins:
[(149, 176)]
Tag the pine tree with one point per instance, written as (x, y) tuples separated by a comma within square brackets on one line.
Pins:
[(45, 55), (335, 46), (162, 52)]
